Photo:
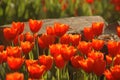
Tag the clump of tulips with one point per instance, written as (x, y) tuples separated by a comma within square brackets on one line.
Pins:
[(56, 55)]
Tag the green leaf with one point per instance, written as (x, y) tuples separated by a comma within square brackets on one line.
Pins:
[(86, 9), (21, 9)]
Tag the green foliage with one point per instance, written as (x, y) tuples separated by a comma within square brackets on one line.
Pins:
[(23, 10)]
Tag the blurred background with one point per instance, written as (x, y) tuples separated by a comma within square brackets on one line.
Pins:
[(23, 10)]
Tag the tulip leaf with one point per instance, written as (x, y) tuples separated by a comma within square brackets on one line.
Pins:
[(1, 11), (86, 9)]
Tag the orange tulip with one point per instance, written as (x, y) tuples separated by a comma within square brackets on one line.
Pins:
[(10, 33), (115, 71), (35, 25), (19, 26), (90, 1), (97, 28), (3, 57), (47, 61), (99, 66), (65, 39), (87, 65), (84, 47), (112, 48), (75, 61), (15, 76), (97, 44), (15, 63), (14, 51), (50, 30), (36, 71), (108, 75), (30, 62), (88, 33), (67, 52), (26, 46), (108, 60), (59, 61), (74, 39), (18, 38), (45, 40), (60, 29), (29, 37), (118, 31)]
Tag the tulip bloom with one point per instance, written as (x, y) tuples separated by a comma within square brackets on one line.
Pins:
[(59, 61), (99, 66), (74, 39), (112, 48), (88, 33), (18, 39), (118, 31), (47, 61), (19, 26), (15, 63), (35, 25), (3, 57), (45, 40), (97, 44), (97, 28), (26, 46), (14, 51), (36, 71), (30, 62), (60, 29), (67, 52), (65, 39), (15, 76), (87, 65), (1, 48), (10, 33), (90, 1), (84, 47), (50, 30), (29, 37), (75, 61)]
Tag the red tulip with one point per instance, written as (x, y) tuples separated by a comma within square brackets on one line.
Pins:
[(108, 59), (45, 40), (75, 61), (3, 57), (18, 38), (84, 47), (65, 39), (87, 65), (99, 66), (74, 39), (88, 33), (30, 62), (50, 30), (116, 60), (115, 71), (118, 31), (15, 63), (36, 71), (60, 29), (15, 76), (112, 48), (97, 44), (67, 52), (90, 1), (59, 61), (29, 37), (108, 75), (26, 46), (97, 28), (10, 33), (19, 26), (14, 51), (35, 25), (47, 61)]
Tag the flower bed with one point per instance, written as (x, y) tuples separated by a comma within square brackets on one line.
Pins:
[(56, 55)]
